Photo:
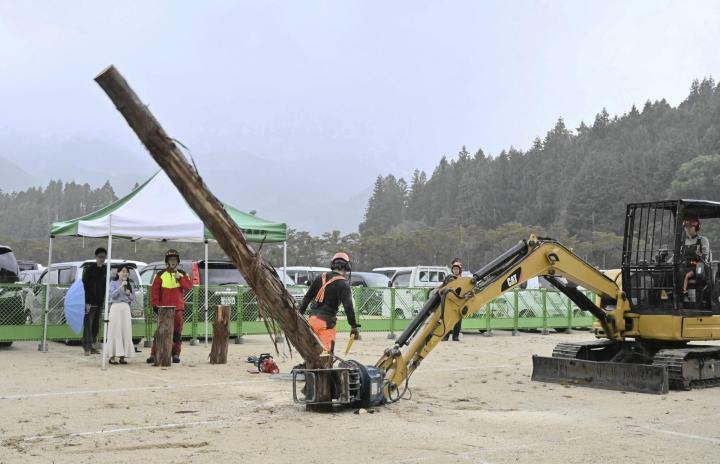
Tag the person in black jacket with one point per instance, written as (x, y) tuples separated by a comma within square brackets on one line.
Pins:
[(456, 268), (326, 293), (94, 283)]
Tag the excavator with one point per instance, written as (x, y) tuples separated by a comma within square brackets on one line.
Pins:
[(647, 313)]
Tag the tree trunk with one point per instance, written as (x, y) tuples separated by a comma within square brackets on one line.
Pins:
[(164, 336), (221, 335), (272, 296)]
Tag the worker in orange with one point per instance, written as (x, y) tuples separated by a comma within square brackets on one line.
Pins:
[(324, 297), (168, 289)]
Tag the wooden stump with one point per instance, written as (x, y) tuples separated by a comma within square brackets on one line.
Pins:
[(221, 335), (164, 336)]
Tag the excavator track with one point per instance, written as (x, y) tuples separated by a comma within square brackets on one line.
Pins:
[(691, 367), (577, 350), (590, 364)]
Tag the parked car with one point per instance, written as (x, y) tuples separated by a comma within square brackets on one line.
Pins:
[(9, 268), (11, 299), (387, 271), (25, 265), (413, 284), (304, 275), (30, 277), (419, 276), (61, 276)]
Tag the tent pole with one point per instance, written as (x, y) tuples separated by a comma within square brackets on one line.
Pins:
[(107, 291), (43, 345), (285, 263), (207, 279)]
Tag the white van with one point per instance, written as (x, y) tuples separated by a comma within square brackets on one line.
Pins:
[(303, 275), (420, 276), (412, 285)]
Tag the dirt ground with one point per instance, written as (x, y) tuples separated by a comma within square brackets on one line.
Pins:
[(472, 401)]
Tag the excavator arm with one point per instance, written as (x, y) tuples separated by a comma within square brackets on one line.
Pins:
[(466, 296), (387, 381)]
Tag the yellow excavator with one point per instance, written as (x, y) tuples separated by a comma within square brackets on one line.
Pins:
[(664, 296)]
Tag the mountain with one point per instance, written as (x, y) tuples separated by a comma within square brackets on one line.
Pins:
[(13, 177), (315, 196)]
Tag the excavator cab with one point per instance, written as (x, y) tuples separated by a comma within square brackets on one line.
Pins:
[(662, 272)]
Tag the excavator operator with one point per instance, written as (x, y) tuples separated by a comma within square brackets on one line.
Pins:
[(694, 253), (324, 297)]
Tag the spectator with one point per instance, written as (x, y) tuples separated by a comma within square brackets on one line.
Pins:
[(119, 336), (94, 284), (456, 268)]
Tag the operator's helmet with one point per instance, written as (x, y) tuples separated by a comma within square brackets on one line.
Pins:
[(340, 261), (692, 221), (457, 263), (171, 253)]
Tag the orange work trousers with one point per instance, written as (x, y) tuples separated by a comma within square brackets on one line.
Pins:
[(326, 336)]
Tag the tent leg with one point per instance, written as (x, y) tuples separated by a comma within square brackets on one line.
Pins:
[(207, 279), (279, 338), (285, 263), (107, 293), (43, 343)]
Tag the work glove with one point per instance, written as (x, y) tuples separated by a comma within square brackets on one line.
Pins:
[(355, 331)]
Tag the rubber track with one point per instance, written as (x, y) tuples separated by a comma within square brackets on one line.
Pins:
[(674, 359), (571, 350)]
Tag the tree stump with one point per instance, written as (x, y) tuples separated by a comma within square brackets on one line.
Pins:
[(164, 336), (221, 335)]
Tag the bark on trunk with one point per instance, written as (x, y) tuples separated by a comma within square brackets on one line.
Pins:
[(164, 336), (221, 335), (271, 294)]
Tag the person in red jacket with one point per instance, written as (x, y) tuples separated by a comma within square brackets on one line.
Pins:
[(168, 289)]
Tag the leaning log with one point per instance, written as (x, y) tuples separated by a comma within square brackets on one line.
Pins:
[(271, 294), (221, 335), (164, 336)]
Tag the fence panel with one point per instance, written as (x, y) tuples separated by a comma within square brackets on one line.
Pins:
[(378, 309)]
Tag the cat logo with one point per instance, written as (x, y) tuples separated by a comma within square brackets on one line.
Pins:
[(512, 279)]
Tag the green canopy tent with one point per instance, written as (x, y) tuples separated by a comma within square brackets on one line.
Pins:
[(156, 211)]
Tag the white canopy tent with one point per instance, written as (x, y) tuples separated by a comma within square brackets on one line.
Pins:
[(157, 211)]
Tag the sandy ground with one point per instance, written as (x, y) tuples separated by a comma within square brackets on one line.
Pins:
[(472, 401)]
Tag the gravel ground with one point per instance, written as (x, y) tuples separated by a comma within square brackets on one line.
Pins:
[(472, 401)]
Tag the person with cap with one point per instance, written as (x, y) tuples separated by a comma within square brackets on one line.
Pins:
[(168, 289), (93, 279), (456, 269), (694, 251), (324, 297)]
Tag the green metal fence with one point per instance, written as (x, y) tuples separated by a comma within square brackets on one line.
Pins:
[(22, 311)]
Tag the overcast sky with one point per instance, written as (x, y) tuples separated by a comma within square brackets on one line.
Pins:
[(390, 86)]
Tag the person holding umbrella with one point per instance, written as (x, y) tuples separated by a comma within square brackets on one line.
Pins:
[(119, 335)]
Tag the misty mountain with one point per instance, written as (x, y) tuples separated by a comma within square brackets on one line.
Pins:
[(13, 177), (316, 196)]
